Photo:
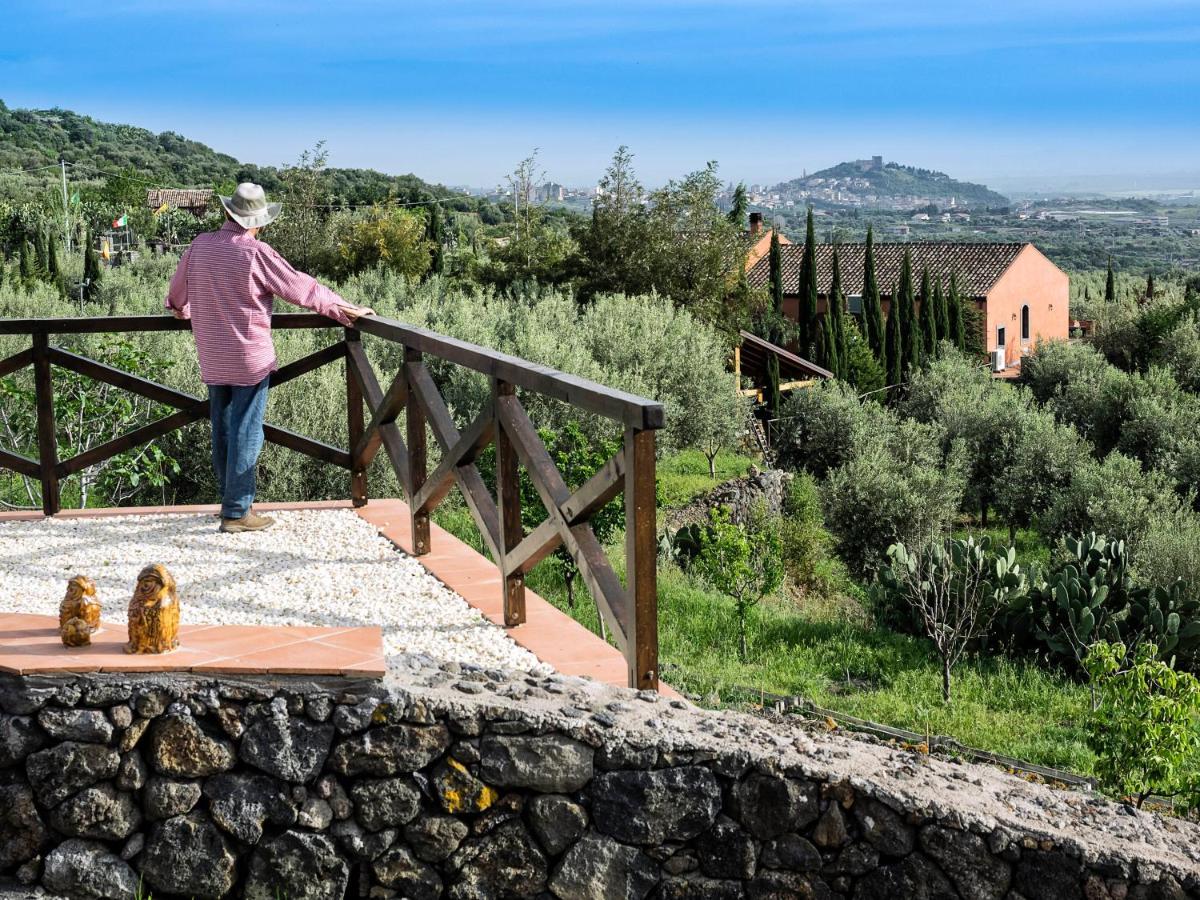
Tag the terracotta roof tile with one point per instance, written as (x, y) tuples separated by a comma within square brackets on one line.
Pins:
[(978, 266)]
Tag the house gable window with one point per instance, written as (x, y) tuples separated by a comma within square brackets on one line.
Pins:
[(854, 304), (1000, 336), (1025, 322)]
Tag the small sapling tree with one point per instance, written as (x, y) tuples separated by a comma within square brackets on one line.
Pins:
[(745, 562)]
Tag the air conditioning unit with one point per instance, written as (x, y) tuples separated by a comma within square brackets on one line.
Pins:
[(998, 360)]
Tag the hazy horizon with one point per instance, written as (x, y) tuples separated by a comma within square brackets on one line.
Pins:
[(1028, 94)]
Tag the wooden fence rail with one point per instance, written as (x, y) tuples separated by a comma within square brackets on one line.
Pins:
[(373, 419)]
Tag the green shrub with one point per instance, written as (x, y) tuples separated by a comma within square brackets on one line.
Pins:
[(1145, 730), (821, 426)]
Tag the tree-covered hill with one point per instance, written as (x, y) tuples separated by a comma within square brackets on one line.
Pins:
[(893, 181), (30, 138)]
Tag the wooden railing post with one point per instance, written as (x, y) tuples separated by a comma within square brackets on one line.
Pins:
[(508, 500), (641, 573), (355, 424), (47, 440), (415, 428)]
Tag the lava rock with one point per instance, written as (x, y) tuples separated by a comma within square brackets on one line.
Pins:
[(914, 876), (830, 831), (726, 851), (78, 868), (131, 735), (1048, 875), (791, 852), (62, 770), (597, 868), (21, 830), (699, 889), (768, 805), (381, 802), (18, 738), (132, 774), (297, 865), (459, 791), (101, 812), (660, 805), (856, 859), (151, 702), (120, 716), (314, 814), (884, 828), (556, 821), (88, 725), (163, 797), (433, 838), (415, 880), (503, 862), (965, 858), (794, 886), (181, 748), (390, 750), (363, 845), (291, 749), (241, 803), (549, 763), (133, 846), (189, 857)]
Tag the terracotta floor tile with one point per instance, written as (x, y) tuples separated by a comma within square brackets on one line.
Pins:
[(357, 640)]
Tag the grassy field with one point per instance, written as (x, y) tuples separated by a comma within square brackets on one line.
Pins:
[(832, 658)]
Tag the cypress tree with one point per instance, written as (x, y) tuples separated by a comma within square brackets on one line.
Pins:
[(1150, 286), (807, 319), (737, 212), (2, 270), (775, 261), (927, 319), (871, 303), (941, 314), (1110, 287), (40, 254), (957, 334), (905, 305), (835, 307), (25, 263), (434, 234), (893, 352), (52, 257), (92, 273)]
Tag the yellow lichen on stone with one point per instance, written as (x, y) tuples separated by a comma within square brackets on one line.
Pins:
[(460, 791)]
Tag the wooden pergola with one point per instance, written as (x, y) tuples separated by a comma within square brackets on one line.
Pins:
[(750, 361)]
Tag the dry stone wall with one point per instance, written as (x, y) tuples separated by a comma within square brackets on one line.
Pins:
[(464, 783)]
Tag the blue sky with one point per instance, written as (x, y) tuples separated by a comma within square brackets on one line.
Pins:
[(458, 91)]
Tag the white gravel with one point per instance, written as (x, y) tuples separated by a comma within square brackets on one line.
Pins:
[(313, 567)]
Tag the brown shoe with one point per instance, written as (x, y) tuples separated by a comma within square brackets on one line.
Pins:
[(251, 521)]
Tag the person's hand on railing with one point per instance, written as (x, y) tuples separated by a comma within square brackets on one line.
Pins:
[(353, 313)]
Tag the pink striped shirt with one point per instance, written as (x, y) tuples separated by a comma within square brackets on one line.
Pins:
[(226, 284)]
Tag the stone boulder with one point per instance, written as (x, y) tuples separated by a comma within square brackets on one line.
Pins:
[(504, 862), (459, 791), (100, 812), (189, 857), (21, 830), (884, 828), (390, 751), (400, 870), (549, 763), (726, 851), (18, 738), (384, 802), (638, 807), (769, 805), (62, 770), (433, 838), (297, 865), (291, 749), (78, 868), (88, 725), (179, 747), (965, 858), (597, 868), (915, 876), (240, 804), (557, 821), (360, 844), (165, 797)]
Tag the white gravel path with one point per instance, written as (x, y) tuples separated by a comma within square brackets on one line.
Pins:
[(313, 567)]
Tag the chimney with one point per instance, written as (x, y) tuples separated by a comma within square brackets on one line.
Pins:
[(755, 223)]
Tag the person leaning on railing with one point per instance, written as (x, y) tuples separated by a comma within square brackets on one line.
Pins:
[(225, 283)]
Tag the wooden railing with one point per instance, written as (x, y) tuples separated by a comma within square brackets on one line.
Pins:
[(630, 611)]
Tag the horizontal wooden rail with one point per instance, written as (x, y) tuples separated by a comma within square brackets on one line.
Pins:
[(374, 417)]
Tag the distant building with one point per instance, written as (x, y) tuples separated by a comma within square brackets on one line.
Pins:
[(1022, 296), (194, 201)]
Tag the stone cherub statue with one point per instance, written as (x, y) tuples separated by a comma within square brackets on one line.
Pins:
[(79, 612), (153, 612)]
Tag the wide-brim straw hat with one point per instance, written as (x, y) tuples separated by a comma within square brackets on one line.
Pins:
[(249, 207)]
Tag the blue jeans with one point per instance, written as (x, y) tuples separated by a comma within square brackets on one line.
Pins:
[(237, 438)]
